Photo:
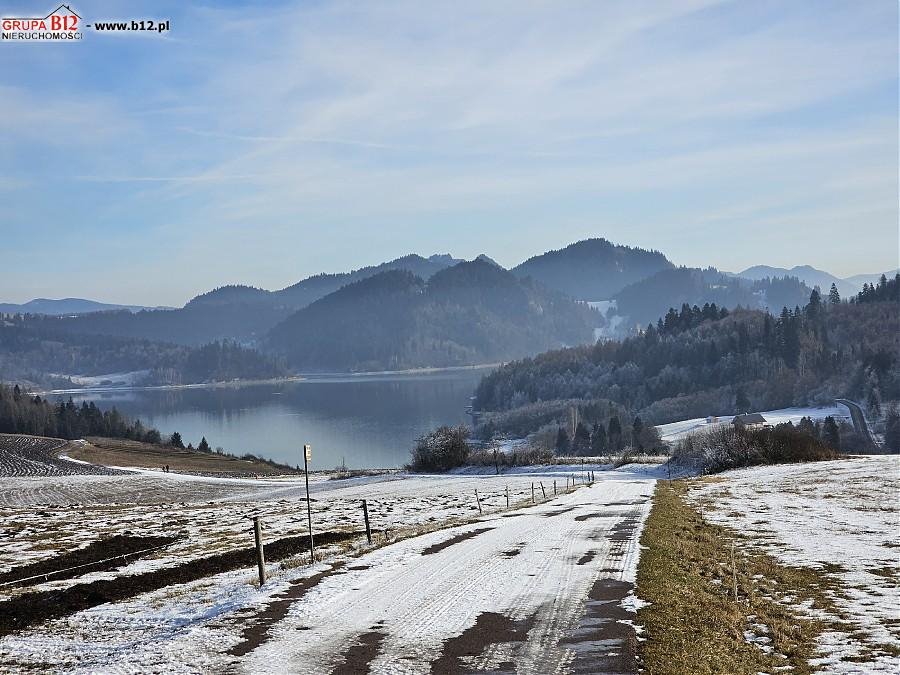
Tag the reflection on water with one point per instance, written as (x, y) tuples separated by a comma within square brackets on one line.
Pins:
[(366, 421)]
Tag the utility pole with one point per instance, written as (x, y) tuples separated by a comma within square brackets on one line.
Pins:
[(307, 455)]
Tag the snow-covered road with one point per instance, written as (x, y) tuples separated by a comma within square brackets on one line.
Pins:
[(505, 587), (435, 599)]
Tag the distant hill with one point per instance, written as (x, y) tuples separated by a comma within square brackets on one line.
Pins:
[(473, 312), (309, 290), (235, 312), (815, 277), (65, 306), (647, 300), (593, 269)]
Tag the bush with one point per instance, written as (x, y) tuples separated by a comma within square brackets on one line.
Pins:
[(526, 455), (728, 448), (443, 449)]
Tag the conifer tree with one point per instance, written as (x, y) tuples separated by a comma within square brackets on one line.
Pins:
[(833, 296), (562, 442), (599, 444), (831, 435)]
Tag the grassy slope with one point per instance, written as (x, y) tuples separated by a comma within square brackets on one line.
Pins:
[(121, 452)]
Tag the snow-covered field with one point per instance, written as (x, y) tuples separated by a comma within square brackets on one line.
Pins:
[(676, 430), (537, 563), (842, 517)]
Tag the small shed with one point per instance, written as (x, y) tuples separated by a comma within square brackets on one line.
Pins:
[(749, 421)]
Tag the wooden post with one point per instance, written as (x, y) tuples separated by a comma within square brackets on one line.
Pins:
[(477, 499), (554, 487), (260, 555), (542, 489), (307, 452), (366, 517), (532, 492), (734, 572), (507, 496)]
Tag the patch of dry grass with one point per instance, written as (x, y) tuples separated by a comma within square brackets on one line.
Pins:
[(694, 624)]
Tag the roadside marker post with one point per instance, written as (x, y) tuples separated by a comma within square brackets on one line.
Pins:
[(734, 573), (478, 500), (366, 518), (260, 554), (307, 455)]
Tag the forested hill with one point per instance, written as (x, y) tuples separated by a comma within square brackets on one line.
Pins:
[(234, 312), (473, 312), (647, 300), (699, 365), (31, 350), (593, 269)]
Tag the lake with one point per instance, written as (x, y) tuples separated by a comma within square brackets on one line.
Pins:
[(368, 421)]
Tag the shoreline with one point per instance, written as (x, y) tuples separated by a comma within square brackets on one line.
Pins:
[(311, 377)]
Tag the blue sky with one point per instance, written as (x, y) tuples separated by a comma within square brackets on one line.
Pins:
[(260, 146)]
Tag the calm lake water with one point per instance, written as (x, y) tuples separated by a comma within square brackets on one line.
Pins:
[(368, 421)]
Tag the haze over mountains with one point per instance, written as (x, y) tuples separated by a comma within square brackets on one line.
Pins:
[(472, 312), (66, 306), (814, 277), (438, 311)]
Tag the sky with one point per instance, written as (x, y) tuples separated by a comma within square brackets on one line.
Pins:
[(261, 145)]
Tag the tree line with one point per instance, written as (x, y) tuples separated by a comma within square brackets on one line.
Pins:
[(33, 348)]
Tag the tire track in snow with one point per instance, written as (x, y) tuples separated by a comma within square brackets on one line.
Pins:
[(419, 602)]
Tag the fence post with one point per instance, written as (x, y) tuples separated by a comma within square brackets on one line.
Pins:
[(532, 492), (734, 572), (366, 517), (554, 487), (477, 499), (260, 555), (507, 496), (542, 489)]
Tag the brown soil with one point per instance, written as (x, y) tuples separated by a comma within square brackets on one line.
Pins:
[(121, 452), (257, 632), (33, 608), (490, 628), (602, 643), (357, 658), (587, 557), (440, 546), (99, 556)]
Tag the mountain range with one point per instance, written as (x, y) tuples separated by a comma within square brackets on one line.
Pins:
[(66, 306), (813, 277), (415, 311), (473, 312)]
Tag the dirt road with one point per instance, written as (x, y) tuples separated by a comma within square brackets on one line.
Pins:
[(536, 590)]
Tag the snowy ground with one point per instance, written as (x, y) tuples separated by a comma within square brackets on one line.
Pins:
[(539, 563), (840, 516), (676, 430)]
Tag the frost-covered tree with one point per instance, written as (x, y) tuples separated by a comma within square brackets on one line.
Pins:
[(834, 297)]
